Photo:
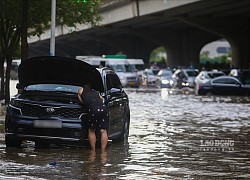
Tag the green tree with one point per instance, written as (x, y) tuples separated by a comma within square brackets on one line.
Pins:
[(20, 19), (158, 55)]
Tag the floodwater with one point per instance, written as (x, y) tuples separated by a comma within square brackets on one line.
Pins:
[(172, 136)]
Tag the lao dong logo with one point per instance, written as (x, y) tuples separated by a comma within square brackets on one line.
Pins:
[(217, 145)]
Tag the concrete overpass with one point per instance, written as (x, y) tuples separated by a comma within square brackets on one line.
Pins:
[(136, 27)]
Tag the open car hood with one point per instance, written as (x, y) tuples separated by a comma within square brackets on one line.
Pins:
[(58, 70)]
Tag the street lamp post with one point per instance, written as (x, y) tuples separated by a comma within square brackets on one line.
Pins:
[(53, 25)]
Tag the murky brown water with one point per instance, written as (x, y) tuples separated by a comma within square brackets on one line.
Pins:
[(172, 136)]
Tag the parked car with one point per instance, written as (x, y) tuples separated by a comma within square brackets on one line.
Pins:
[(164, 78), (148, 78), (205, 76), (224, 85), (47, 111), (190, 74)]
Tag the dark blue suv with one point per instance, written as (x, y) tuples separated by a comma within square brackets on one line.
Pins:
[(46, 109)]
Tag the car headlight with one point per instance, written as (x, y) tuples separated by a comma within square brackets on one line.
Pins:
[(16, 104), (185, 84), (122, 78), (165, 81)]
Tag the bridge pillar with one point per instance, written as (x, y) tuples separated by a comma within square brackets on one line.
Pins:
[(183, 47), (235, 30), (132, 46)]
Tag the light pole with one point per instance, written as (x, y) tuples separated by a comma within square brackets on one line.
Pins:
[(53, 25)]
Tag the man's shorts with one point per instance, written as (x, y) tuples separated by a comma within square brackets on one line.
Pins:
[(98, 117)]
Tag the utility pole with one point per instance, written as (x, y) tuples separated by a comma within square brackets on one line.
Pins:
[(53, 26)]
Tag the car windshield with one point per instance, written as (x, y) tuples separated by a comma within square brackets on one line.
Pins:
[(118, 67), (150, 72), (130, 68), (139, 67), (52, 87), (192, 73), (214, 75), (166, 73)]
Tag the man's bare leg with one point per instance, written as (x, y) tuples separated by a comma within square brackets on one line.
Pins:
[(104, 139), (92, 139)]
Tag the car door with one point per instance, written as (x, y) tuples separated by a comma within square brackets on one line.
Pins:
[(116, 102), (226, 86)]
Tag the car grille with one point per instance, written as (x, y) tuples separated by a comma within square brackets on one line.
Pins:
[(131, 78), (69, 133), (63, 112)]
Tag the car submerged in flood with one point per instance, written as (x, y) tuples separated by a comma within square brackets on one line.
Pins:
[(46, 109), (224, 85)]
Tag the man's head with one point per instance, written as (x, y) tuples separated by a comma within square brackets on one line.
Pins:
[(87, 84)]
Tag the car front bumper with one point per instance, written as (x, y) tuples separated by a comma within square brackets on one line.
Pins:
[(25, 129)]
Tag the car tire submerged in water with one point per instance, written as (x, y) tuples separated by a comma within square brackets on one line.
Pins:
[(209, 93), (12, 142), (125, 133), (41, 145)]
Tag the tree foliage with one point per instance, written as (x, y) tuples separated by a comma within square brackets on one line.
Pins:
[(221, 62), (22, 18), (68, 12), (159, 56)]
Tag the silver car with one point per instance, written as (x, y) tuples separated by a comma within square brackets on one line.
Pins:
[(205, 76)]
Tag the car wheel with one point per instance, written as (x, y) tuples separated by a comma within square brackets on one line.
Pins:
[(125, 133), (13, 142), (209, 93), (41, 145)]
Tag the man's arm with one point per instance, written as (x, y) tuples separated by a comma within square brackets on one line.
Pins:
[(101, 98), (80, 90)]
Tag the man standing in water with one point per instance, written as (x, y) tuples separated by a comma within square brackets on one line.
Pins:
[(97, 115)]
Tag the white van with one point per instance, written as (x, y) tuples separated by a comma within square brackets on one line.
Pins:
[(126, 72), (139, 65)]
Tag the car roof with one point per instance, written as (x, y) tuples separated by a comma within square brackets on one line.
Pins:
[(215, 72), (225, 76)]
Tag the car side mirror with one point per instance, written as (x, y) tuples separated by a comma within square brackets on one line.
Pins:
[(18, 86), (114, 91)]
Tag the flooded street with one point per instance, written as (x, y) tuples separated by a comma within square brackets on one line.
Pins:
[(172, 136)]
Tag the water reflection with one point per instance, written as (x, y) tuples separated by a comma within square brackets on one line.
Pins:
[(170, 134), (173, 135), (97, 168)]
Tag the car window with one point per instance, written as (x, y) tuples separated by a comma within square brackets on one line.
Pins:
[(155, 71), (130, 68), (52, 87), (113, 81), (225, 81), (150, 72), (167, 73), (214, 75), (192, 73), (139, 67), (118, 67)]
